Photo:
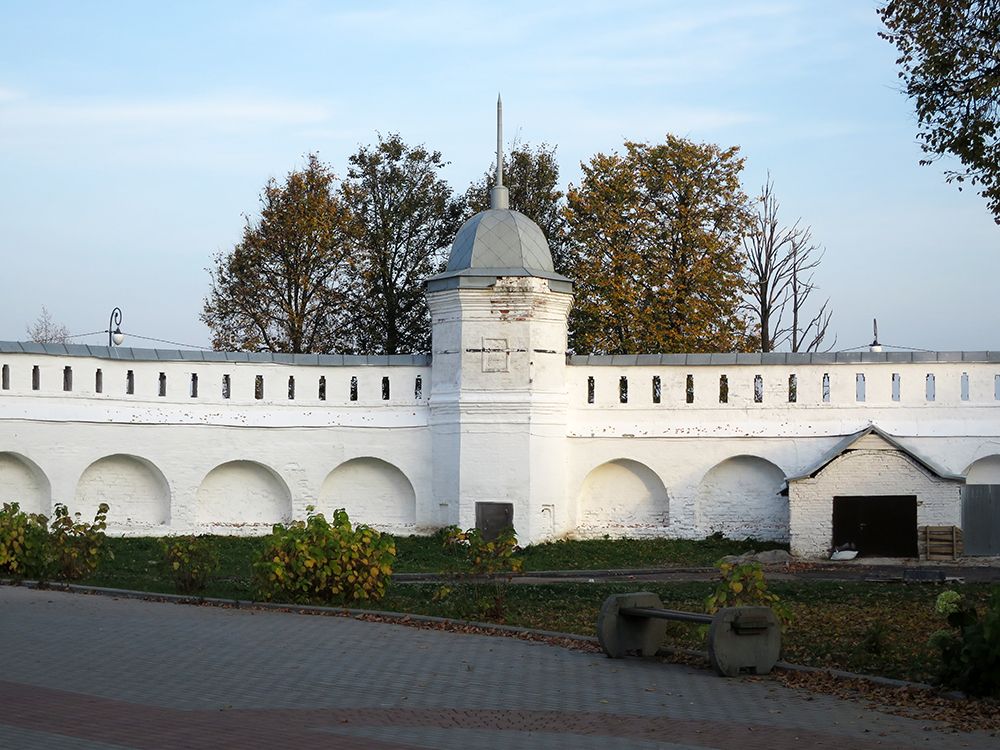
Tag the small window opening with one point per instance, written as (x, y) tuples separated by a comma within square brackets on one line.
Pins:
[(623, 389), (67, 378), (194, 385), (965, 386), (163, 384), (418, 388), (930, 390), (590, 388), (723, 389), (322, 387), (354, 388), (36, 378), (793, 388), (826, 387), (689, 389), (226, 386), (291, 387), (896, 384), (657, 391), (996, 387), (129, 382), (859, 387), (385, 388), (258, 387), (5, 377), (758, 389), (98, 381)]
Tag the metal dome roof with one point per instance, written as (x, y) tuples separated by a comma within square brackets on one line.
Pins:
[(500, 238)]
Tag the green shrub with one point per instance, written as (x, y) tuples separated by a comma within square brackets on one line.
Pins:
[(744, 585), (316, 560), (24, 545), (77, 546), (491, 564), (970, 651), (190, 561), (66, 549)]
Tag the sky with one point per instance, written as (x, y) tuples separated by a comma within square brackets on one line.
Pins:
[(135, 137)]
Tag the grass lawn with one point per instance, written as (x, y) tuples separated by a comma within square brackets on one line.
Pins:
[(873, 628)]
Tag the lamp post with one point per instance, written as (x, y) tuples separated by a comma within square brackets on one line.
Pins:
[(116, 336)]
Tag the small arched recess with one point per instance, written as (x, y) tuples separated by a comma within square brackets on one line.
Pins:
[(985, 470), (135, 490), (741, 497), (242, 494), (24, 483), (623, 498), (373, 492)]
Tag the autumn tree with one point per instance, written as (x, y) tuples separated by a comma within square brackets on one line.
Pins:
[(780, 262), (949, 60), (531, 176), (287, 284), (403, 220), (655, 251), (45, 330)]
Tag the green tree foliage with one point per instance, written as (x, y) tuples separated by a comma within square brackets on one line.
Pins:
[(949, 60), (655, 250), (287, 285), (66, 549), (531, 176), (403, 222)]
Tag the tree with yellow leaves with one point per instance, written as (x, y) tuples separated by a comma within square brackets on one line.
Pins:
[(655, 250)]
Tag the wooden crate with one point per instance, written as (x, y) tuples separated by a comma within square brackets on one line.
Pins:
[(940, 542)]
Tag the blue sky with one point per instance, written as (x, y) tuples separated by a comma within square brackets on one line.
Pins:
[(134, 136)]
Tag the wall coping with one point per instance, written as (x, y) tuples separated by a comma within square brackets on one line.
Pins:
[(779, 358), (126, 353)]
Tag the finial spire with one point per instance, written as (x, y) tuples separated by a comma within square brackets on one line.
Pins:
[(499, 196)]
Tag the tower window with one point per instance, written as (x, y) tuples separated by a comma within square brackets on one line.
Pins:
[(657, 391), (623, 389)]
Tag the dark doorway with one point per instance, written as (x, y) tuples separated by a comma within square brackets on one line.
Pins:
[(492, 518), (882, 526)]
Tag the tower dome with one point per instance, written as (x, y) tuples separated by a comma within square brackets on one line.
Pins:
[(498, 242)]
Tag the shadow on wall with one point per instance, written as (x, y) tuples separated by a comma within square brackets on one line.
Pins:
[(740, 497)]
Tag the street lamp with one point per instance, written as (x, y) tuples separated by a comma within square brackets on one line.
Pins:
[(115, 336)]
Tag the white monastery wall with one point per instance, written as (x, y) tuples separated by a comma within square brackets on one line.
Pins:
[(504, 420)]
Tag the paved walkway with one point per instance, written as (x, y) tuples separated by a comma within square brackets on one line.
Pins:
[(96, 672)]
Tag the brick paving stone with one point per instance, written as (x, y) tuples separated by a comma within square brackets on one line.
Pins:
[(98, 672)]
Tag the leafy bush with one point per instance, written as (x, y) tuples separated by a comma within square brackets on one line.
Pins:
[(490, 563), (77, 546), (190, 561), (24, 548), (67, 549), (970, 651), (316, 560), (744, 585)]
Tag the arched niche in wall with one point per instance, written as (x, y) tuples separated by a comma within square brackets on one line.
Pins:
[(740, 497), (372, 491), (623, 497), (24, 483), (242, 493), (985, 470), (134, 489)]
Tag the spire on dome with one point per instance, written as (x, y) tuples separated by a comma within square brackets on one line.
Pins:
[(499, 195)]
